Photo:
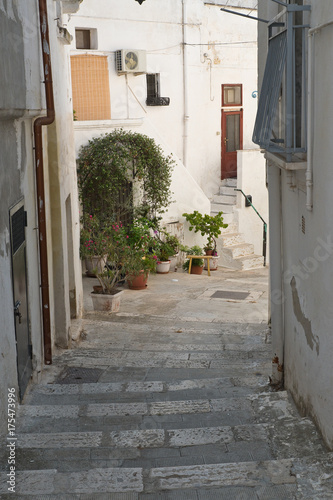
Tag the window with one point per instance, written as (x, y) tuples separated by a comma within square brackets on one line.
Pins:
[(91, 90), (231, 95), (153, 91), (280, 125), (86, 38)]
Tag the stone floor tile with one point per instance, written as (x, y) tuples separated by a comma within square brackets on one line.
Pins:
[(233, 493), (170, 495)]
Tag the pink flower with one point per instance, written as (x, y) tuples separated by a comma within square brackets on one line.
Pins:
[(90, 216)]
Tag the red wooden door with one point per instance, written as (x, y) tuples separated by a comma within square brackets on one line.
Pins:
[(232, 140)]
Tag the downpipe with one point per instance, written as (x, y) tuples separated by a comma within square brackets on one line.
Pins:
[(276, 298), (185, 83), (309, 170), (39, 164)]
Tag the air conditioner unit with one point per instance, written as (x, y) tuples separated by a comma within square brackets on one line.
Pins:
[(131, 61)]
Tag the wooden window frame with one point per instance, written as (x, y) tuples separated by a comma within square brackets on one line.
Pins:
[(238, 105)]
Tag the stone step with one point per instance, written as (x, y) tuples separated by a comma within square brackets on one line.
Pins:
[(230, 239), (240, 250), (241, 263), (100, 388), (228, 190), (228, 218), (232, 228), (251, 406), (305, 474), (230, 182), (252, 262), (221, 207), (224, 199)]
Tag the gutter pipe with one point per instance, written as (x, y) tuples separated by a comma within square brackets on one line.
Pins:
[(309, 168), (38, 124), (185, 83), (276, 271)]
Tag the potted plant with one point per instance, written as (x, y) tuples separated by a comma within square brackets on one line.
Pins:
[(105, 240), (165, 249), (137, 266), (197, 264), (139, 258), (92, 244), (210, 226)]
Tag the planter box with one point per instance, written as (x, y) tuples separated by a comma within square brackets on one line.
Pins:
[(106, 303)]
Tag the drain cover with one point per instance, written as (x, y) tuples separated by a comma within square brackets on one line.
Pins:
[(78, 375), (224, 294)]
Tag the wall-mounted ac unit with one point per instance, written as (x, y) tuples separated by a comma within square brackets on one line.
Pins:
[(131, 61)]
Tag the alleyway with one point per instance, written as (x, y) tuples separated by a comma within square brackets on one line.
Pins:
[(169, 400)]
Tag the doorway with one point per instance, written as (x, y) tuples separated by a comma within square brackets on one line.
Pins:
[(232, 129), (20, 302), (232, 140)]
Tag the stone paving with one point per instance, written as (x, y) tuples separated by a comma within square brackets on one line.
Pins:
[(169, 400)]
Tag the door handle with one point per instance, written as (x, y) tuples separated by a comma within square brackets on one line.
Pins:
[(225, 140), (17, 313)]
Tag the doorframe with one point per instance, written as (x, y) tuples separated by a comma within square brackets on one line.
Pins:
[(12, 211), (229, 111)]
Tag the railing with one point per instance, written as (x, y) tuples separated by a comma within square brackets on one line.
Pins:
[(264, 243)]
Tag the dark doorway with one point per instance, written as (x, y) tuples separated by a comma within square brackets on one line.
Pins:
[(20, 302)]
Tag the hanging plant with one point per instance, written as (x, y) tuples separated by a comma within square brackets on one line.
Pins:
[(113, 166)]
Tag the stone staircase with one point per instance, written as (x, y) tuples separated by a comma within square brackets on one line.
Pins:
[(234, 252), (168, 411)]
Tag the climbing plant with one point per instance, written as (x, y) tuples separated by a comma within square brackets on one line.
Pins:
[(122, 174)]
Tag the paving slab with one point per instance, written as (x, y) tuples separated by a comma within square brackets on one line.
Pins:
[(169, 399)]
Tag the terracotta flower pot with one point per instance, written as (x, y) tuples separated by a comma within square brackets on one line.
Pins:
[(209, 252), (138, 282), (196, 269)]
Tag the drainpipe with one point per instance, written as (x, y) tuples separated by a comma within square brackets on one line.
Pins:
[(275, 244), (309, 164), (309, 169), (185, 83), (38, 124)]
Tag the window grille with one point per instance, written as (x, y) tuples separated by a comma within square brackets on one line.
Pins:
[(280, 125), (270, 91)]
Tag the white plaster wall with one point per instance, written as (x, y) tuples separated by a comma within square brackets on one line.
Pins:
[(208, 31), (65, 171), (308, 257), (312, 350), (20, 99), (251, 178)]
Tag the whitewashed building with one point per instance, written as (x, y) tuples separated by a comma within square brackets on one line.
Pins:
[(184, 73), (40, 273), (294, 126)]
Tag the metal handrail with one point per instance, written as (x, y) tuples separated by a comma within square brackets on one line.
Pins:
[(264, 244)]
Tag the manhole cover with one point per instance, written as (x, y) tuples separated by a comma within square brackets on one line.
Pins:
[(78, 375), (224, 294)]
